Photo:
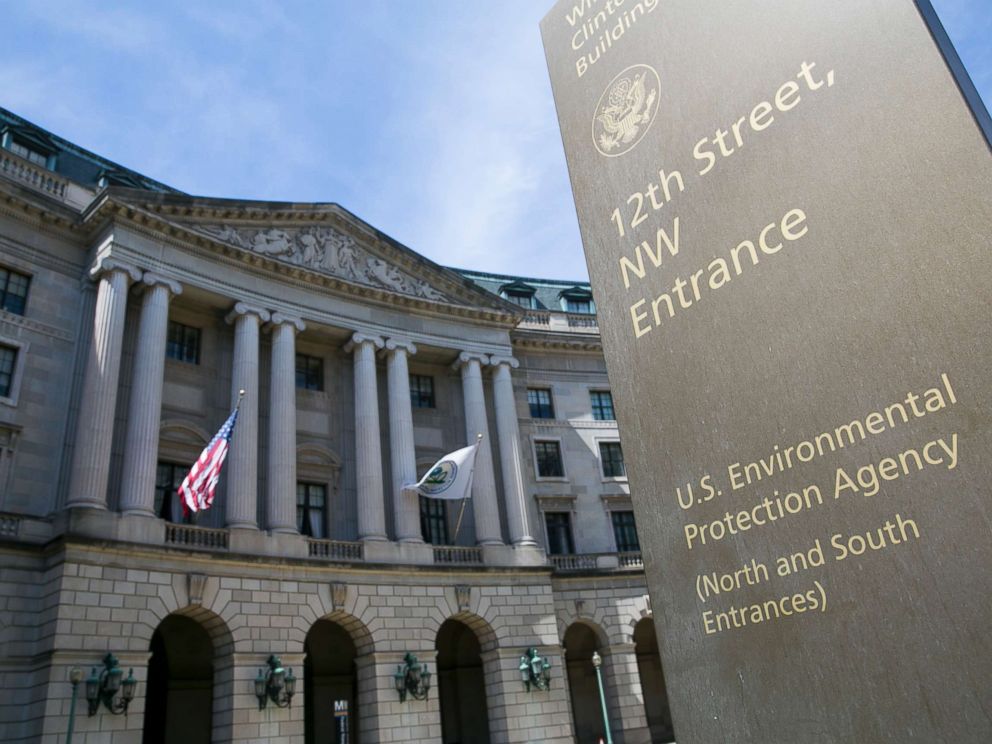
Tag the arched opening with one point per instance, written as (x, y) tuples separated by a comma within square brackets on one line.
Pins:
[(179, 699), (652, 682), (461, 685), (587, 717), (329, 679)]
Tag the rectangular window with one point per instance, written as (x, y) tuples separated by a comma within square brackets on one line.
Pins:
[(517, 298), (183, 343), (309, 372), (549, 463), (578, 306), (602, 405), (625, 532), (311, 505), (559, 526), (434, 521), (168, 504), (38, 158), (421, 391), (539, 400), (612, 458), (8, 362), (13, 291)]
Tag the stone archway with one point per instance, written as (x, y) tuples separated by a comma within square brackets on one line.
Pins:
[(330, 677), (461, 685), (652, 682), (581, 640), (189, 658)]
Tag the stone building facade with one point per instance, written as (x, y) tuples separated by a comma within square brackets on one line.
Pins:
[(131, 316)]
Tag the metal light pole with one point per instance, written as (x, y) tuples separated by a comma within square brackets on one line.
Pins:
[(75, 677), (597, 662)]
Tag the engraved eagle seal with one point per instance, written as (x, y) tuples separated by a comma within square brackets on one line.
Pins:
[(626, 110)]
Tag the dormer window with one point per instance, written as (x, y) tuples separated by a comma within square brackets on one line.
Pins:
[(30, 147), (577, 300), (117, 178), (519, 294)]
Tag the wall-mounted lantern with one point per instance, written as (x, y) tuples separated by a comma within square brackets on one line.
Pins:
[(275, 684), (412, 678), (103, 687), (535, 671)]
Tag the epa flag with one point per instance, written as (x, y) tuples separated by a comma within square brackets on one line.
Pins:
[(451, 477), (197, 489)]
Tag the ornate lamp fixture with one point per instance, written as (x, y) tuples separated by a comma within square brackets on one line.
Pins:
[(412, 678), (103, 687), (275, 684), (535, 671)]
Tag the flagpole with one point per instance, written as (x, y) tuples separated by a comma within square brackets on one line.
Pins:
[(461, 512)]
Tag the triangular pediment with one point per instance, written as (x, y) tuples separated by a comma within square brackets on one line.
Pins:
[(324, 239)]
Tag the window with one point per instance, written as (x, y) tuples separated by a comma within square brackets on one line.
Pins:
[(612, 458), (625, 532), (602, 405), (434, 521), (421, 391), (309, 372), (311, 503), (13, 291), (578, 306), (559, 526), (539, 400), (29, 154), (548, 460), (8, 363), (168, 504), (520, 298), (183, 343)]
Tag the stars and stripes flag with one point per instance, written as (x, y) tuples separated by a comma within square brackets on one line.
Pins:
[(197, 489)]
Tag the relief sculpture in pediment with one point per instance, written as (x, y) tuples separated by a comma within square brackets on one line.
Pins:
[(324, 249)]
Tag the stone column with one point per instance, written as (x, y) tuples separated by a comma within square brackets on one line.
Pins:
[(368, 451), (406, 505), (508, 431), (145, 409), (484, 504), (95, 430), (281, 502), (242, 458)]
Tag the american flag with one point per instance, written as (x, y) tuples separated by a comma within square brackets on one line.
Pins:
[(197, 489)]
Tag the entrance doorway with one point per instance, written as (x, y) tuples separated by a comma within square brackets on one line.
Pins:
[(329, 677), (179, 700), (461, 685), (652, 682), (587, 717)]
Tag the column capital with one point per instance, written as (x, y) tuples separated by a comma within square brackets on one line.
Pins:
[(468, 356), (360, 338), (151, 279), (283, 319), (109, 264), (243, 308), (496, 360), (400, 344)]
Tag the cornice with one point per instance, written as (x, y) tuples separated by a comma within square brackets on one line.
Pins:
[(556, 341)]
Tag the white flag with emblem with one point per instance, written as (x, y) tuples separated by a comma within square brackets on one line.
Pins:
[(450, 478)]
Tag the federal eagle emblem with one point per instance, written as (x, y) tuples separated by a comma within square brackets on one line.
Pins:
[(625, 110)]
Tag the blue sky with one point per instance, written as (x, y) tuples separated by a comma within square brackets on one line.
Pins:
[(430, 119)]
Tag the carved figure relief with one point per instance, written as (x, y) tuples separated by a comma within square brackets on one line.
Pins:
[(327, 250)]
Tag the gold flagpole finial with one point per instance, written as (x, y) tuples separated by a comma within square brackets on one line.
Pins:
[(479, 437)]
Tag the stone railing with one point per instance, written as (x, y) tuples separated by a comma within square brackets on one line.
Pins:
[(561, 322), (10, 525), (574, 562), (597, 562), (199, 538), (456, 555), (34, 176), (334, 550), (631, 560)]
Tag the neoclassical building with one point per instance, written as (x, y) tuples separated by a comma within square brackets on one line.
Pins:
[(132, 314)]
